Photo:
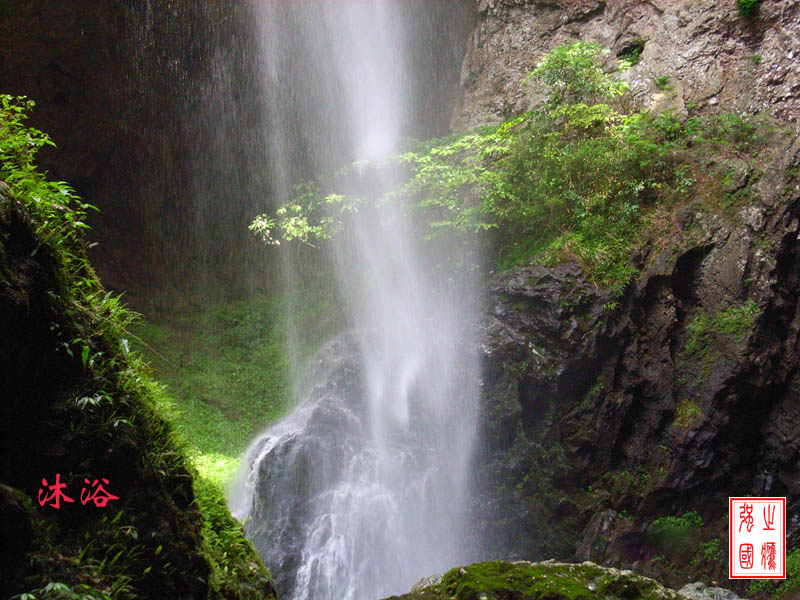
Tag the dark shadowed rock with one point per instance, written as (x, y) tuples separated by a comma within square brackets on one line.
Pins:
[(603, 415)]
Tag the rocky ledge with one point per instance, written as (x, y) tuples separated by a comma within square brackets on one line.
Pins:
[(550, 580)]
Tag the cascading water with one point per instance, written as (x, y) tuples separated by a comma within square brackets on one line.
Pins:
[(362, 489)]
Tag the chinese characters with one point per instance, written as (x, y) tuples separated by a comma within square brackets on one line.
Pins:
[(54, 494), (757, 529)]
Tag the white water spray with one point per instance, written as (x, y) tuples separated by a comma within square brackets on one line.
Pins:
[(362, 489)]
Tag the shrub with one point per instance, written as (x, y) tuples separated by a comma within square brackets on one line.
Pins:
[(688, 520), (632, 53), (662, 82)]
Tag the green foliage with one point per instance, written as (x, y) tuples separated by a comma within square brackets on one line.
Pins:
[(570, 180), (733, 322), (687, 414), (662, 82), (106, 414), (230, 552), (226, 367), (729, 131), (632, 53), (304, 219), (227, 371), (748, 7), (677, 538), (777, 589), (688, 520), (594, 391), (573, 73), (61, 591), (59, 215), (712, 550)]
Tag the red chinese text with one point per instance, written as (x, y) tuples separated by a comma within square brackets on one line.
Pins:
[(56, 493)]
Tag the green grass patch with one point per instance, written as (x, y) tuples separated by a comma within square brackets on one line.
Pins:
[(227, 369)]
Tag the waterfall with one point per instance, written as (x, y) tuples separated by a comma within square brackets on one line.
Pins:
[(363, 488)]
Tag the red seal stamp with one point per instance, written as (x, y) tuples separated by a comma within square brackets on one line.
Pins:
[(757, 537)]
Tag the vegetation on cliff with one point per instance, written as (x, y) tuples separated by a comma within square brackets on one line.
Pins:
[(584, 177), (227, 367), (78, 406)]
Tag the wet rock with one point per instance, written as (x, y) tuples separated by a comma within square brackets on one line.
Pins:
[(700, 591)]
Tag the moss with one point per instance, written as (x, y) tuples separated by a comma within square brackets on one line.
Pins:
[(234, 573), (539, 581), (707, 331), (687, 414), (748, 8)]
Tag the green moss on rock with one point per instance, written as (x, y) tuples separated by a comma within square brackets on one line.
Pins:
[(549, 580)]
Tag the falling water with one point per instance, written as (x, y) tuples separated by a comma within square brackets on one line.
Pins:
[(362, 489)]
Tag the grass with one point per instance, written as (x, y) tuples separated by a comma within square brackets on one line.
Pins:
[(227, 373), (227, 370)]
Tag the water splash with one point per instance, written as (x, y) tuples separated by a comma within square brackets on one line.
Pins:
[(362, 489)]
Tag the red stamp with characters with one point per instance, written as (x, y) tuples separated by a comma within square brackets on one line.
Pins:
[(757, 537)]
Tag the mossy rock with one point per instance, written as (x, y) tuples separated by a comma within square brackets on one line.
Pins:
[(549, 580)]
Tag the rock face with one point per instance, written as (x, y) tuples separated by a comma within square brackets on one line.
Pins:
[(712, 56), (125, 89), (602, 415)]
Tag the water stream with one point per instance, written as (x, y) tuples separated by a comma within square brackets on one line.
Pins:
[(362, 489)]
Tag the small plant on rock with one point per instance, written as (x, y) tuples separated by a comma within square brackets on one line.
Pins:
[(662, 82), (748, 8)]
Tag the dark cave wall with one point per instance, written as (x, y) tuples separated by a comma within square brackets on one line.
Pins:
[(118, 86), (157, 113)]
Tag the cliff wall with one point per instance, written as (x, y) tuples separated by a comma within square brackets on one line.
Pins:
[(604, 416)]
